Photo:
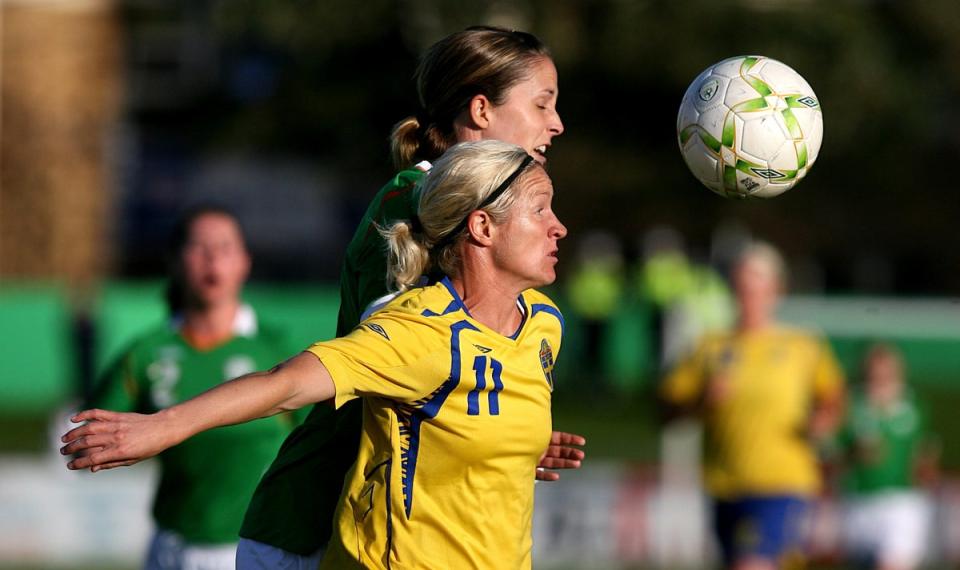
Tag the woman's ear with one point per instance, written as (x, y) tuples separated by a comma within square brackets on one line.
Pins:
[(480, 226), (479, 111)]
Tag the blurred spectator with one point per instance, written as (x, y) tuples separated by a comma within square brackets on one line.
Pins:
[(206, 482), (688, 299), (595, 290), (707, 306), (663, 277), (767, 394), (890, 461)]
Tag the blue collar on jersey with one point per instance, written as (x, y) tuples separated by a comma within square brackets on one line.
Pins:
[(457, 303)]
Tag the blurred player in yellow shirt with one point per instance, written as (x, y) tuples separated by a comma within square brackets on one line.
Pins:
[(766, 394)]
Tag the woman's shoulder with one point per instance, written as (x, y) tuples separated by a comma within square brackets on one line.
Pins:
[(407, 177), (396, 199), (422, 301), (534, 297), (539, 302), (403, 181)]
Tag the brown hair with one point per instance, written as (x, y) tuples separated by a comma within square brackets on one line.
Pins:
[(480, 60), (176, 289)]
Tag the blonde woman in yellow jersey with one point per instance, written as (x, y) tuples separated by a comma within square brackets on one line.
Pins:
[(456, 379), (765, 393)]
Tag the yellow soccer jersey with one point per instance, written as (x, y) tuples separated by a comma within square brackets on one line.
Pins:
[(755, 442), (456, 417)]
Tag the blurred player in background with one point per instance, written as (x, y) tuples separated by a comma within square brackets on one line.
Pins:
[(890, 459), (455, 378), (206, 482), (767, 395)]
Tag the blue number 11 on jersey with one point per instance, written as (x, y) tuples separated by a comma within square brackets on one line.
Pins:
[(493, 397)]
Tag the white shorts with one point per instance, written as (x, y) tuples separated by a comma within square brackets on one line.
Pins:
[(168, 551), (892, 528), (253, 555)]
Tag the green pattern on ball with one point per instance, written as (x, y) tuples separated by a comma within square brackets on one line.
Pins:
[(793, 125), (801, 147), (750, 105), (758, 85), (745, 166), (730, 178), (729, 130), (712, 143)]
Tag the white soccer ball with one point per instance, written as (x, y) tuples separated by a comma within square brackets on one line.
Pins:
[(749, 126)]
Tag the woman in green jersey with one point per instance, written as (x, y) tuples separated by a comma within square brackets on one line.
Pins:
[(891, 465), (205, 483)]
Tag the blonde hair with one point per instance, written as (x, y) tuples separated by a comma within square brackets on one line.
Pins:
[(458, 184), (768, 255), (482, 60)]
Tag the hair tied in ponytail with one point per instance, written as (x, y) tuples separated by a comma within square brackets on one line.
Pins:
[(415, 225), (423, 120)]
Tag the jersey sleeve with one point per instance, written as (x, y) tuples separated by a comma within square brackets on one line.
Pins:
[(117, 388), (684, 384), (385, 356), (828, 379)]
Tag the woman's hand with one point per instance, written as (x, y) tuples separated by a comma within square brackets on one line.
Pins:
[(560, 455), (115, 439)]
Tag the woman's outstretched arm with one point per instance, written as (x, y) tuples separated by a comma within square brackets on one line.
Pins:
[(112, 439)]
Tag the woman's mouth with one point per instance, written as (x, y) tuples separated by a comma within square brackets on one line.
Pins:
[(540, 153)]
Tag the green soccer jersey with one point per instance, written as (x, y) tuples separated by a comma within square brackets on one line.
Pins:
[(206, 481), (294, 504), (882, 444)]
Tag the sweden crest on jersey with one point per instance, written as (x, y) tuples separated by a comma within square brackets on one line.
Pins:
[(546, 361)]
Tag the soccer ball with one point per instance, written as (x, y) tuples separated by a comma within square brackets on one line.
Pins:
[(749, 126)]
